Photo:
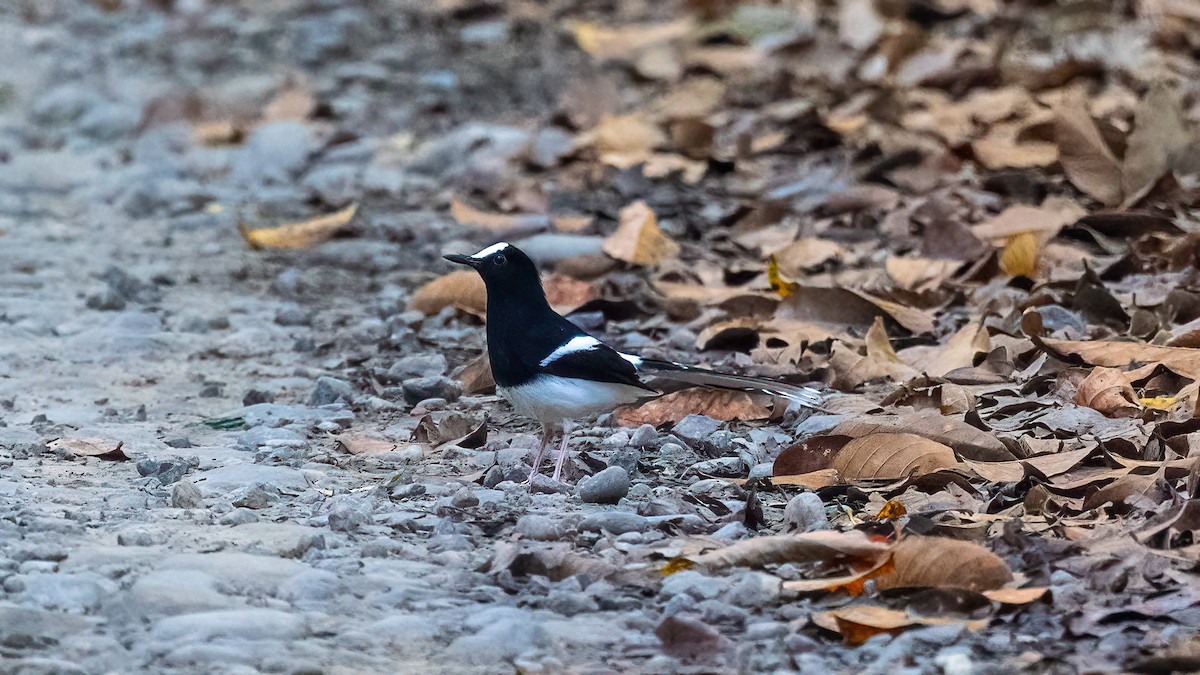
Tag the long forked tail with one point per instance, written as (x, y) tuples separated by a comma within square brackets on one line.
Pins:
[(810, 398)]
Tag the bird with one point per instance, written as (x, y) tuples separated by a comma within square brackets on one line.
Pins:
[(551, 370)]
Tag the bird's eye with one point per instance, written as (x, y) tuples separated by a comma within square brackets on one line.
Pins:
[(500, 259)]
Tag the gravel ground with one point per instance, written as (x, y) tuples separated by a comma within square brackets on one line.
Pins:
[(131, 311)]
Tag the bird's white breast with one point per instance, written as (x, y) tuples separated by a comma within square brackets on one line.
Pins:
[(551, 399)]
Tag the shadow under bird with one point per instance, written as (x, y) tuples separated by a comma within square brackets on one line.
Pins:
[(551, 370)]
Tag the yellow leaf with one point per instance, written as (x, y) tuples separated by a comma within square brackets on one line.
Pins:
[(891, 510), (1020, 255), (300, 234), (778, 284), (676, 565), (638, 238), (1160, 402)]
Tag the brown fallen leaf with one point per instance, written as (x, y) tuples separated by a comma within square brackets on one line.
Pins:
[(622, 43), (689, 637), (1109, 392), (567, 293), (1016, 596), (1182, 360), (808, 456), (626, 140), (853, 550), (966, 440), (1044, 221), (940, 562), (503, 225), (1050, 465), (859, 623), (463, 289), (476, 377), (842, 307), (958, 352), (101, 448), (1019, 257), (919, 275), (301, 234), (892, 456), (638, 239), (1158, 136), (363, 444), (721, 404), (1085, 156)]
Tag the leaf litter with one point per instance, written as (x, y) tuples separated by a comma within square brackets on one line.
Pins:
[(977, 233)]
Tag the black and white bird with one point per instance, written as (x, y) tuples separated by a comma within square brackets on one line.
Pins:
[(551, 370)]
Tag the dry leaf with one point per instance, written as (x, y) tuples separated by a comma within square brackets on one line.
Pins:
[(853, 550), (625, 140), (476, 377), (1020, 255), (778, 284), (363, 444), (1045, 221), (638, 239), (101, 448), (919, 275), (891, 456), (1016, 596), (842, 307), (721, 404), (958, 352), (1108, 391), (503, 226), (1086, 158), (566, 293), (463, 289), (1182, 360), (1158, 136), (939, 562), (859, 623), (622, 43), (966, 440), (300, 234), (808, 456)]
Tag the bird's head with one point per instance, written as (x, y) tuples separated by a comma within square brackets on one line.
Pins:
[(502, 266)]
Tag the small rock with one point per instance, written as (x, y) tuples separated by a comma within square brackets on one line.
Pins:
[(255, 396), (695, 429), (256, 496), (347, 514), (292, 315), (805, 513), (135, 538), (418, 389), (417, 365), (606, 487), (540, 528), (493, 477), (546, 485), (644, 436), (168, 471), (755, 589), (239, 516), (614, 522), (185, 495), (686, 637), (331, 390)]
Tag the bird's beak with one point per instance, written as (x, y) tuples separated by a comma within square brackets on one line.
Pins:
[(462, 259)]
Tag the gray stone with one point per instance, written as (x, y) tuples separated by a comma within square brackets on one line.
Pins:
[(274, 153), (605, 487), (292, 315), (138, 537), (331, 390), (76, 593), (614, 522), (239, 624), (418, 389), (695, 429), (167, 470), (697, 585), (186, 495), (645, 436), (417, 365), (805, 513), (347, 513), (258, 495), (239, 516), (541, 528), (501, 634), (256, 437), (755, 589), (310, 586)]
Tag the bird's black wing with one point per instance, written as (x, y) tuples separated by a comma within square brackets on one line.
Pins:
[(600, 363)]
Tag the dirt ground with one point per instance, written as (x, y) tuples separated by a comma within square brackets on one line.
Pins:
[(301, 483)]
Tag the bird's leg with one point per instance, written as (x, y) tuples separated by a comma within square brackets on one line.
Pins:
[(562, 449), (547, 430)]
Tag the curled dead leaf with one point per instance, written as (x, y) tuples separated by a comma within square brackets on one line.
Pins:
[(638, 238), (301, 234), (940, 562), (891, 455), (463, 289), (853, 550), (721, 404), (101, 448), (1109, 392), (859, 623)]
